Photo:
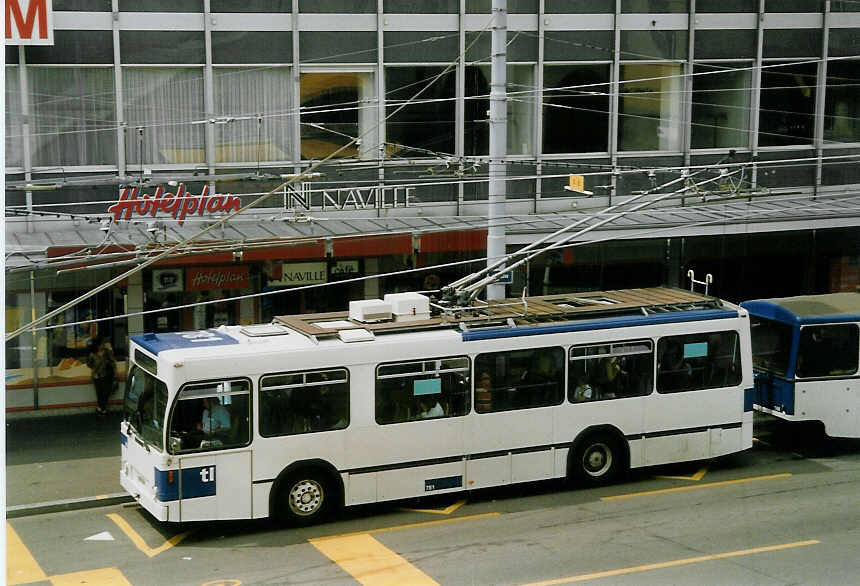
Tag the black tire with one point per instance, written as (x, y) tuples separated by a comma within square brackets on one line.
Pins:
[(597, 459), (304, 497)]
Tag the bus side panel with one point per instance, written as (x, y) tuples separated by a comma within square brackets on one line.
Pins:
[(215, 486), (833, 402), (501, 445)]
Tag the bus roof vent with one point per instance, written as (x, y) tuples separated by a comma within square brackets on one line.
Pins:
[(356, 335), (259, 330), (369, 310)]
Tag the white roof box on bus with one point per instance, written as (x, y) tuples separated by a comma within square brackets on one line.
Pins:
[(369, 310), (409, 306)]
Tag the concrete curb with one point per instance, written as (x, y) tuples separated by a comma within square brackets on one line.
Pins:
[(102, 500)]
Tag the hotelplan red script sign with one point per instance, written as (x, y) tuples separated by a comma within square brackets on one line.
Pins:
[(29, 22), (199, 278), (179, 205)]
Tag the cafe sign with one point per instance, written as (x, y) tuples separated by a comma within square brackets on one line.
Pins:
[(227, 277), (180, 205)]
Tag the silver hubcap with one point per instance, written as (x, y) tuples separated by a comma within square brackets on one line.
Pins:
[(306, 497), (597, 459)]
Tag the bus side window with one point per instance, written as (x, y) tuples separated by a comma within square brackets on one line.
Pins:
[(698, 361), (829, 350), (423, 389), (519, 379), (304, 402)]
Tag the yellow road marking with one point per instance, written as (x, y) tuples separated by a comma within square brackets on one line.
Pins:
[(445, 511), (370, 562), (409, 526), (138, 541), (695, 486), (102, 577), (673, 563), (697, 476), (21, 566)]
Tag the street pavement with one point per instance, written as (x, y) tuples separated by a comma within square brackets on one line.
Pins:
[(60, 462)]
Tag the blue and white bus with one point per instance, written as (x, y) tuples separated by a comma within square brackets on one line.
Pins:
[(296, 418), (805, 357)]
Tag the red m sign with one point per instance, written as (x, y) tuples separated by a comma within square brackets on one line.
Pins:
[(29, 22)]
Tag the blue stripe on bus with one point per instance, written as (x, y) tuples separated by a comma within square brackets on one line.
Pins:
[(155, 343), (604, 323), (196, 482), (749, 399)]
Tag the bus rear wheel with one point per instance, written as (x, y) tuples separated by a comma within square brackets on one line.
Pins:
[(597, 460), (304, 498)]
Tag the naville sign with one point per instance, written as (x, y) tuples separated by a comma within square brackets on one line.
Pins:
[(29, 22)]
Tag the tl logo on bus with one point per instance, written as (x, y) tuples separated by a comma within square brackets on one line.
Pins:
[(179, 205), (207, 474)]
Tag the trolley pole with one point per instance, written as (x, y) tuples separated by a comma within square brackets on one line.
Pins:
[(498, 143)]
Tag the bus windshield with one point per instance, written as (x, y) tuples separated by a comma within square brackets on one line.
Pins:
[(771, 345), (144, 405)]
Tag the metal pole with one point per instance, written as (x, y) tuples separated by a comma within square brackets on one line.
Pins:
[(498, 143), (34, 350)]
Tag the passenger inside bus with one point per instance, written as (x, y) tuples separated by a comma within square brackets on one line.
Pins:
[(215, 419), (540, 384), (429, 408), (673, 372), (483, 393)]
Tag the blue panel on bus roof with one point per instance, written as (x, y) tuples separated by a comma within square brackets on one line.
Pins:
[(775, 310), (604, 323), (156, 343)]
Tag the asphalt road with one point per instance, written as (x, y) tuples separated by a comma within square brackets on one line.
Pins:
[(785, 512)]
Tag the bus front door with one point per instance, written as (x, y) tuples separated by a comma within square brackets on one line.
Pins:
[(215, 486)]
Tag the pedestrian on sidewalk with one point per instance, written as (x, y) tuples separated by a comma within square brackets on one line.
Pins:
[(103, 365)]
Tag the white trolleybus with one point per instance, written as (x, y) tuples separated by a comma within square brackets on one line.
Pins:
[(311, 412), (805, 357)]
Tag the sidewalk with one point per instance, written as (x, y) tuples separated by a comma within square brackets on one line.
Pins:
[(60, 462)]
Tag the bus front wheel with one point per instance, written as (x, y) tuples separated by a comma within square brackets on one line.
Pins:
[(597, 459), (303, 498)]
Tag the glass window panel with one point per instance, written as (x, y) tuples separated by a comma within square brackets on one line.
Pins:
[(839, 172), (611, 371), (829, 350), (251, 5), (698, 361), (579, 6), (321, 404), (252, 47), (721, 106), (166, 47), (344, 6), (782, 43), (842, 102), (771, 345), (519, 379), (336, 47), (14, 120), (425, 128), (788, 174), (576, 108), (579, 45), (725, 44), (844, 42), (336, 108), (653, 6), (211, 416), (161, 6), (703, 6), (843, 6), (650, 107), (787, 106), (426, 392), (74, 116), (520, 110), (794, 5), (654, 44), (520, 47), (243, 93), (12, 54), (165, 102), (422, 6), (82, 5), (74, 48), (514, 6), (421, 46)]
